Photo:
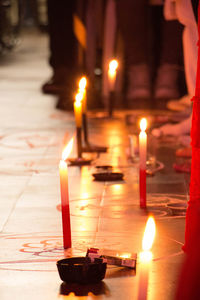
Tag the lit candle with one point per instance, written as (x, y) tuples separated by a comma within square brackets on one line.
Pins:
[(78, 118), (82, 90), (142, 154), (145, 258), (112, 71), (78, 109), (65, 196)]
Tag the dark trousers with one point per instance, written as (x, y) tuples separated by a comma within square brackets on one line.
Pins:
[(136, 25), (62, 42), (195, 4)]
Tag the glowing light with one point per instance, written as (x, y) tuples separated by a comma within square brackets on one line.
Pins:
[(82, 83), (149, 234), (145, 256), (66, 152), (82, 228), (143, 124), (124, 255), (78, 108), (113, 65), (117, 188), (83, 203), (79, 97)]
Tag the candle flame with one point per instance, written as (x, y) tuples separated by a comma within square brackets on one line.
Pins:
[(113, 65), (82, 83), (79, 97), (149, 234), (67, 150), (143, 124)]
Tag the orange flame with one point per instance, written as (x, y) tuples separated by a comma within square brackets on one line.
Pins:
[(82, 83), (143, 124), (67, 150), (79, 97), (113, 65), (149, 234)]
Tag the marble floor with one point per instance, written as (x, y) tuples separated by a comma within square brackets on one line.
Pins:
[(103, 214)]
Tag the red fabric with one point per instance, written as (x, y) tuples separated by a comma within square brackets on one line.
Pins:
[(192, 230), (195, 130), (189, 281)]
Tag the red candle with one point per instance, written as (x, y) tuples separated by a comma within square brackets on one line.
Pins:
[(142, 154), (65, 197)]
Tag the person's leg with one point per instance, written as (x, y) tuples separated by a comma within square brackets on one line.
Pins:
[(133, 24), (132, 20), (188, 17), (62, 43), (166, 85), (185, 15)]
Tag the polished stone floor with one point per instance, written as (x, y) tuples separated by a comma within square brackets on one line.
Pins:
[(103, 214)]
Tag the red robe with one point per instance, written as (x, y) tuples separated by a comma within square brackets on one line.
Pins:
[(192, 231)]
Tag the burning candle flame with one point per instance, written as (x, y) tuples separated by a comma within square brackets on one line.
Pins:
[(143, 124), (149, 234), (113, 65), (67, 150), (79, 97), (82, 83)]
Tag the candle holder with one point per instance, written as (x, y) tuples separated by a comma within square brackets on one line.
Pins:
[(104, 167), (153, 166), (93, 148), (81, 270), (106, 174), (85, 128), (88, 147), (79, 161), (111, 101)]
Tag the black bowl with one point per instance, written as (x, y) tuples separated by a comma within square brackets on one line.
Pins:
[(108, 176), (81, 270)]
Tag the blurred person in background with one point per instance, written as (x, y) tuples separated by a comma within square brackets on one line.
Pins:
[(186, 12), (136, 28), (63, 51)]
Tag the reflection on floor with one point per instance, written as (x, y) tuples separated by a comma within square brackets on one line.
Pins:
[(103, 214)]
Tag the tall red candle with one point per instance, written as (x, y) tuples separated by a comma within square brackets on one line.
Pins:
[(142, 156), (63, 171)]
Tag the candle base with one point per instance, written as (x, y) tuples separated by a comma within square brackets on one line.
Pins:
[(93, 148), (111, 101), (143, 189), (108, 176), (79, 161)]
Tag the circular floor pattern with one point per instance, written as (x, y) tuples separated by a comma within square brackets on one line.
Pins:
[(160, 205), (39, 251)]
